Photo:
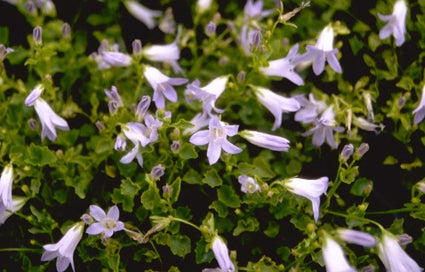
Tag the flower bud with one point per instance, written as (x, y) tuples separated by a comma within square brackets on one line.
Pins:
[(157, 172), (33, 124), (404, 239), (100, 125), (210, 28), (143, 107), (31, 8), (66, 30), (361, 150), (241, 76), (37, 35), (346, 153), (175, 146), (257, 37), (137, 47)]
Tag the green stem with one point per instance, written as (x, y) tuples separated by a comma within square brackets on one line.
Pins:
[(366, 220), (19, 249), (391, 211), (185, 222), (334, 187)]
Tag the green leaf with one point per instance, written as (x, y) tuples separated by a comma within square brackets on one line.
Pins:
[(202, 253), (129, 188), (362, 187), (212, 178), (187, 151), (40, 155), (349, 175), (272, 229), (192, 177), (150, 198), (179, 244), (175, 192), (126, 201), (220, 208), (356, 44), (4, 35), (247, 224), (227, 195)]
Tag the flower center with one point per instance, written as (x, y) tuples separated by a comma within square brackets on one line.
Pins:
[(109, 223)]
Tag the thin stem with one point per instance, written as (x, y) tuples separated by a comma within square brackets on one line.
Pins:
[(18, 249), (334, 187), (185, 222), (391, 211), (366, 220)]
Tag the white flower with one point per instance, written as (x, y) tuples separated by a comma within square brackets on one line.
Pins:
[(248, 184), (357, 237), (6, 182), (48, 118), (323, 51), (333, 255), (255, 9), (265, 140), (311, 189), (276, 104), (208, 94), (106, 223), (134, 132), (396, 23), (284, 67), (162, 86), (366, 125), (169, 53), (419, 112), (64, 249), (17, 204), (142, 13), (216, 138), (221, 254), (324, 128), (203, 5), (395, 259), (310, 109)]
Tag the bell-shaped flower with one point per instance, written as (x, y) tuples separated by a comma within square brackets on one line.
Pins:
[(142, 107), (264, 140), (221, 254), (419, 112), (134, 132), (116, 59), (254, 10), (64, 249), (114, 99), (395, 259), (324, 128), (323, 51), (17, 203), (200, 120), (284, 67), (249, 39), (6, 182), (364, 124), (216, 138), (276, 104), (333, 255), (203, 5), (169, 53), (48, 118), (396, 23), (143, 14), (248, 184), (310, 109), (208, 94), (311, 189), (357, 237), (162, 86), (107, 223)]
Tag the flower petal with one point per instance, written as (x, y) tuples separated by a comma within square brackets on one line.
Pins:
[(97, 212)]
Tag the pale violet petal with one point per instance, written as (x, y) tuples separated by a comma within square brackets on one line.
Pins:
[(213, 152), (95, 228), (230, 148), (97, 212), (114, 213), (333, 62), (200, 137)]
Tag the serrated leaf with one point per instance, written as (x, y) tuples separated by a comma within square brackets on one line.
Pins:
[(228, 196), (212, 178), (179, 244), (40, 155), (248, 224)]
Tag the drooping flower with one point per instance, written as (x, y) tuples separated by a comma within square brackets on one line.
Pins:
[(276, 104), (323, 51), (311, 189), (216, 138), (107, 223), (114, 99), (254, 10), (248, 184), (208, 94), (310, 108), (6, 182), (142, 107), (357, 237), (221, 254), (324, 128), (143, 14), (162, 86), (116, 59), (272, 142), (169, 53), (333, 255), (396, 23), (48, 118), (284, 67), (134, 132), (395, 259), (419, 112), (64, 249), (17, 203), (364, 124)]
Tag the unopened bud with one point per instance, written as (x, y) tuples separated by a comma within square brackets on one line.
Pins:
[(346, 153), (31, 8), (369, 268), (404, 239), (241, 76), (257, 37), (223, 61), (37, 35), (175, 146), (401, 101), (363, 148), (100, 125), (33, 124), (166, 191), (87, 219), (137, 47), (157, 172), (368, 102), (210, 28), (66, 30), (143, 107), (421, 186)]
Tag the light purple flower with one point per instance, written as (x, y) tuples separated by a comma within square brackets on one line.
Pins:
[(162, 86), (324, 128), (114, 99), (116, 59), (248, 184), (107, 223), (143, 14), (246, 39), (264, 140), (323, 51), (396, 23), (221, 254), (17, 203), (419, 112), (4, 51), (395, 259), (366, 125), (208, 94), (284, 67), (6, 182), (200, 120), (254, 10), (216, 138), (276, 104), (64, 249), (357, 237), (311, 189), (334, 257), (142, 107), (310, 108)]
